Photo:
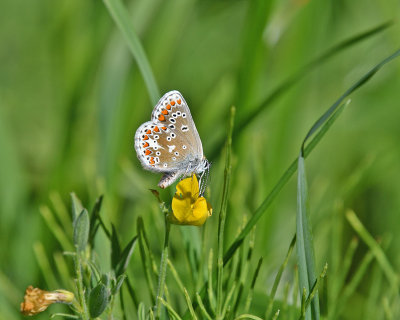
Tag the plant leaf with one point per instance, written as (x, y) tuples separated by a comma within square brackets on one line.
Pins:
[(115, 248), (120, 281), (305, 248), (125, 257), (76, 206), (123, 21), (81, 230), (98, 300)]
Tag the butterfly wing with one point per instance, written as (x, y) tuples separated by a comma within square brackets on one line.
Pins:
[(173, 111), (170, 142)]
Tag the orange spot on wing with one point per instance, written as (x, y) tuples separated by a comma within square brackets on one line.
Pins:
[(172, 103), (151, 160), (156, 129), (164, 128), (148, 131), (169, 106), (164, 111), (161, 117), (145, 138), (147, 152), (179, 101), (145, 145)]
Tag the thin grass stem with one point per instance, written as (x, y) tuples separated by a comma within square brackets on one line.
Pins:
[(189, 304), (278, 278), (169, 308), (163, 269), (222, 215), (202, 307), (380, 256)]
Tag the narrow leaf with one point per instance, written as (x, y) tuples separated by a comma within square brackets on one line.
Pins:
[(94, 218), (120, 281), (81, 230), (115, 248), (123, 21), (305, 248), (76, 207), (125, 257)]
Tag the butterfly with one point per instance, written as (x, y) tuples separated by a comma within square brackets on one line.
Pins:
[(170, 143)]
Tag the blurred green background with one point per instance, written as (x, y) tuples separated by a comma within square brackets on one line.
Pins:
[(72, 97)]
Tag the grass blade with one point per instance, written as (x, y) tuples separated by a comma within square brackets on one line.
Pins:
[(253, 283), (222, 215), (321, 125), (364, 79), (278, 279), (305, 246), (202, 307), (277, 188), (245, 120), (314, 289), (375, 248), (123, 21), (352, 286), (189, 303), (169, 308)]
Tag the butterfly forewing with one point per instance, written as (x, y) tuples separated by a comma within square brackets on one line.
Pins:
[(170, 142), (173, 111)]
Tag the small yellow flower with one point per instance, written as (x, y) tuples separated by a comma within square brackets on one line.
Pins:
[(187, 207), (37, 300)]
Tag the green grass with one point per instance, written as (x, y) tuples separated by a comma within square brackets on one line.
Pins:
[(78, 78)]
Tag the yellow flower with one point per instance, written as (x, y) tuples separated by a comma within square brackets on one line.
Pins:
[(37, 300), (187, 207)]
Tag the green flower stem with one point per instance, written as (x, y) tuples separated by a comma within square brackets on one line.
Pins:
[(79, 285), (163, 270)]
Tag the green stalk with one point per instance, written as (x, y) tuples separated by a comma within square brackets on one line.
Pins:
[(375, 248), (79, 286), (222, 217), (163, 270), (278, 278)]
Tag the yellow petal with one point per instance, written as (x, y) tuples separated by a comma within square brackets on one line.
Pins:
[(200, 212), (188, 187), (181, 207), (187, 207)]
